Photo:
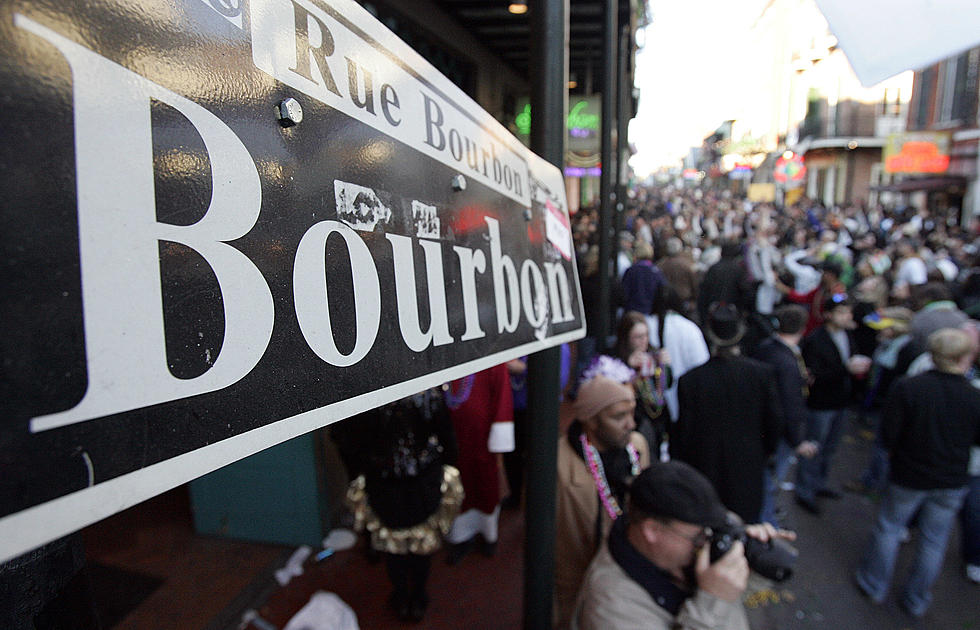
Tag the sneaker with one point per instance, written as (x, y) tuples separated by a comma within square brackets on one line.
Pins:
[(877, 601), (973, 573)]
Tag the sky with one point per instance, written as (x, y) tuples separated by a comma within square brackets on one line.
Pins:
[(688, 75), (694, 68)]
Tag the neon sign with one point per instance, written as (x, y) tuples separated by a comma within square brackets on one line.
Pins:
[(581, 124)]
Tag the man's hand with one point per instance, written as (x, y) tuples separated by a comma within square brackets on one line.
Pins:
[(725, 579), (764, 532), (807, 448)]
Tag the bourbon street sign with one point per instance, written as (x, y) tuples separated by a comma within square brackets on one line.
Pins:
[(225, 225)]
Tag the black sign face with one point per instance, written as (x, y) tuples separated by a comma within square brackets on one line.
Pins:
[(225, 225)]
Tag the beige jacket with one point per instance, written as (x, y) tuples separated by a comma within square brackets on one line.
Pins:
[(611, 599), (577, 509)]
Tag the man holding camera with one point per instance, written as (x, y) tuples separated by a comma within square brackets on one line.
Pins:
[(655, 572)]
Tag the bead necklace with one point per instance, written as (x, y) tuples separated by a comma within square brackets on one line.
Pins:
[(454, 399), (594, 463)]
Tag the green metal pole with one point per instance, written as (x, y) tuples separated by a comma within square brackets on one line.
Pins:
[(549, 102), (607, 191)]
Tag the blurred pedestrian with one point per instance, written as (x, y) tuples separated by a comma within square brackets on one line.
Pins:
[(781, 351), (730, 418), (929, 424), (641, 281), (597, 459), (653, 377), (481, 408), (406, 492), (832, 366)]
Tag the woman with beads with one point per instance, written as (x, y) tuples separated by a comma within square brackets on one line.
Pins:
[(653, 377)]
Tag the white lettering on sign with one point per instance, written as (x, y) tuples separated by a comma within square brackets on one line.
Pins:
[(336, 63), (310, 293), (408, 309), (119, 239)]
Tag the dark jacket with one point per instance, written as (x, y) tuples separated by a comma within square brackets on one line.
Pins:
[(640, 285), (929, 423), (831, 386), (790, 384), (729, 424), (725, 282)]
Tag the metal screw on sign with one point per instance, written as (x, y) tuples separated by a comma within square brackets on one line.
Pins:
[(289, 112), (459, 183)]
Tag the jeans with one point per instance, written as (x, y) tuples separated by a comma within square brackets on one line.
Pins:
[(875, 476), (825, 427), (970, 523), (772, 477), (937, 509)]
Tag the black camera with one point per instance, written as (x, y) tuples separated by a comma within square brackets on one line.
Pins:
[(774, 559)]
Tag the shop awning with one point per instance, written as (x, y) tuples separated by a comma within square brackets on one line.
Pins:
[(924, 183)]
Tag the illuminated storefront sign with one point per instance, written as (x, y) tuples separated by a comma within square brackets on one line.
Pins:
[(581, 123), (917, 152), (789, 168)]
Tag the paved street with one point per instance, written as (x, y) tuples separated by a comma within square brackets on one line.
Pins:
[(822, 593)]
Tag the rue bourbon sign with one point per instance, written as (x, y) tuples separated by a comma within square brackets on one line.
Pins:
[(228, 223)]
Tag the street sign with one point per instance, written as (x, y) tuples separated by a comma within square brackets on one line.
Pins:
[(227, 224)]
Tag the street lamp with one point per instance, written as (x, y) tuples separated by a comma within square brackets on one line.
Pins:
[(518, 7)]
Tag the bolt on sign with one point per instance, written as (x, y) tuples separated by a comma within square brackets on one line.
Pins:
[(228, 224)]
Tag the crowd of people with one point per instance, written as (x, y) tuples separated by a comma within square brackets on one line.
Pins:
[(747, 337), (774, 328)]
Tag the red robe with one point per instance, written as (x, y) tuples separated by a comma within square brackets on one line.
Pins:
[(489, 402)]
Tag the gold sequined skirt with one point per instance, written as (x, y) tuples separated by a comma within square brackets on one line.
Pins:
[(421, 539)]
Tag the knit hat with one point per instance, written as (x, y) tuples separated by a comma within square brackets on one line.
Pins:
[(674, 490), (598, 393)]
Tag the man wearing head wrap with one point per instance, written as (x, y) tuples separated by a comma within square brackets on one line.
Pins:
[(597, 459)]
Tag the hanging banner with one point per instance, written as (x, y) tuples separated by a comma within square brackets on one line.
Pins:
[(227, 224)]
